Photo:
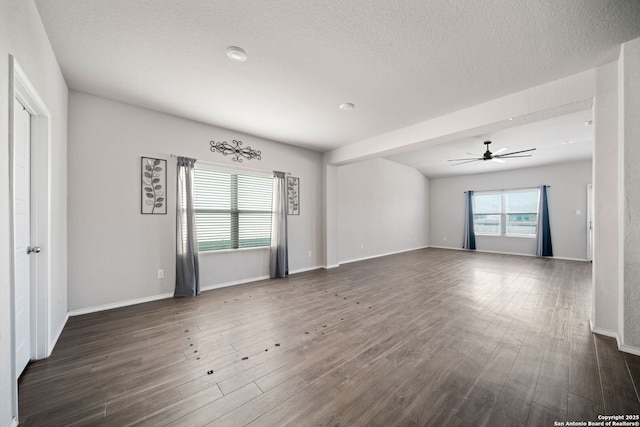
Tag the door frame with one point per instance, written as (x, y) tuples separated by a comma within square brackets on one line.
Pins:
[(589, 222), (20, 88)]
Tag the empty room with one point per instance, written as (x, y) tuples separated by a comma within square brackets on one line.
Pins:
[(348, 212)]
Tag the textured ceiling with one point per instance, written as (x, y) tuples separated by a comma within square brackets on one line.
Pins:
[(399, 62), (556, 140)]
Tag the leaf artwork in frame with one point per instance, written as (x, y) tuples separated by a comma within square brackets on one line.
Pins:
[(293, 195), (154, 182)]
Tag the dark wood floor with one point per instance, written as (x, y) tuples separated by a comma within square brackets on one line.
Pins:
[(430, 337)]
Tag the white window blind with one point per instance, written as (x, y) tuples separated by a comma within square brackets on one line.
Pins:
[(232, 210), (506, 212)]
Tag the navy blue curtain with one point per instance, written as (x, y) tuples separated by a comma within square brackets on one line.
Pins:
[(469, 233), (543, 237)]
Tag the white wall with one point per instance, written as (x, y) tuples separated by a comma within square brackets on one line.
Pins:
[(383, 208), (556, 98), (22, 35), (616, 267), (330, 256), (605, 200), (567, 194), (114, 251), (629, 133)]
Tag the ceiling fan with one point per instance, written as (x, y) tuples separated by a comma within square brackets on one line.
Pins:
[(488, 155)]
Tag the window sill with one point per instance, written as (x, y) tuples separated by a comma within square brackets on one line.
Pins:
[(522, 236), (228, 251)]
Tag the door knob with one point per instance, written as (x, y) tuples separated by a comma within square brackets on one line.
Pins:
[(35, 250)]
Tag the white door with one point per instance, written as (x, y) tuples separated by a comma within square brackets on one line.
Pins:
[(22, 234)]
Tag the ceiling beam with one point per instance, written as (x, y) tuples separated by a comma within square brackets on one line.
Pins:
[(559, 97)]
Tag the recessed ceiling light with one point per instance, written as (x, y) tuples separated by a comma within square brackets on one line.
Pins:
[(347, 106), (236, 54), (510, 119)]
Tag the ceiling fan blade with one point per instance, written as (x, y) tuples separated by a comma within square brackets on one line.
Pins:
[(515, 152), (459, 160), (496, 157), (473, 154), (466, 161)]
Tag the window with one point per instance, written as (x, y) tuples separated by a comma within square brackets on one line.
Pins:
[(506, 213), (521, 212), (232, 210), (487, 208)]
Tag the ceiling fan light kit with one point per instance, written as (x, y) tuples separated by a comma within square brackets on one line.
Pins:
[(496, 157)]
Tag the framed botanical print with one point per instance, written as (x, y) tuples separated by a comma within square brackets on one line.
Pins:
[(153, 191), (293, 195)]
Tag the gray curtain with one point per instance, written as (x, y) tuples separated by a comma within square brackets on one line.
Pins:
[(279, 252), (187, 274), (543, 237), (469, 232)]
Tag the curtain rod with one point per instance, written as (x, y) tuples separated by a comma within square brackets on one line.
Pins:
[(503, 189), (206, 162)]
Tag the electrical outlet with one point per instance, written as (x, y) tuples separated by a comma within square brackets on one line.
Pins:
[(160, 274), (309, 254), (444, 238), (361, 246)]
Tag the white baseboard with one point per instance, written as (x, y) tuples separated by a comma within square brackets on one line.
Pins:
[(255, 279), (328, 267), (606, 332), (509, 253), (613, 334), (118, 304), (303, 270), (13, 422), (234, 283), (571, 259), (446, 247), (629, 349), (56, 337), (142, 300), (382, 255)]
